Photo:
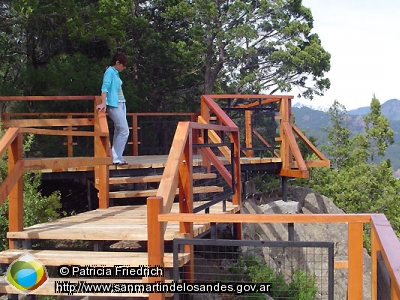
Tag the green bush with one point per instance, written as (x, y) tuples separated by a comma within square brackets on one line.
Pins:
[(251, 269), (37, 208)]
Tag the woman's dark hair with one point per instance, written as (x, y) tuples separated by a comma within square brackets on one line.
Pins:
[(121, 57)]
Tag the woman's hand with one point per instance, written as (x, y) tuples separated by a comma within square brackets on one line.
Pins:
[(101, 107)]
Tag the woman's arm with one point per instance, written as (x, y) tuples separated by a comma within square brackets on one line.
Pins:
[(102, 106)]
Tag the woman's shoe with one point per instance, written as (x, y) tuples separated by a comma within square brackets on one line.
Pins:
[(121, 163)]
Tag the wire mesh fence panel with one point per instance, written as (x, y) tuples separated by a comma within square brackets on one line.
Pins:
[(258, 128), (231, 269), (209, 184), (156, 134)]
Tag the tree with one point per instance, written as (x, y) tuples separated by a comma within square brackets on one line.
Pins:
[(378, 133), (338, 136), (178, 49), (254, 46), (360, 185)]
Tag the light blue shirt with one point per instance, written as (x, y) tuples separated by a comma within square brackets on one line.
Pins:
[(112, 85)]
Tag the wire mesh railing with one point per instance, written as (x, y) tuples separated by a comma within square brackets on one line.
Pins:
[(233, 269)]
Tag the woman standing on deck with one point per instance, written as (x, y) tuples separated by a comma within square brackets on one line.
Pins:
[(113, 101)]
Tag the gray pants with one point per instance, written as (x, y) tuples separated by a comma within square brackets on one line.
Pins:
[(121, 130)]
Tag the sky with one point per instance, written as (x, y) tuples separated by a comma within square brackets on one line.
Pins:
[(363, 38)]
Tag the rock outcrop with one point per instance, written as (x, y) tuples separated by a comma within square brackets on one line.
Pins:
[(304, 201)]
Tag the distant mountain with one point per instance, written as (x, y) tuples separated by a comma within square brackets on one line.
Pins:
[(390, 109), (312, 106), (314, 121)]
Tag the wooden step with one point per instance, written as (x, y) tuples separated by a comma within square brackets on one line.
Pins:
[(48, 288), (154, 178), (83, 258), (153, 192)]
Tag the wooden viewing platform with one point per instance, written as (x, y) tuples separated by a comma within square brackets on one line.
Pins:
[(195, 186)]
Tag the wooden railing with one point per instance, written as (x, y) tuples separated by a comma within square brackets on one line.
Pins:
[(178, 172), (288, 152), (134, 120), (293, 164), (383, 240), (12, 141)]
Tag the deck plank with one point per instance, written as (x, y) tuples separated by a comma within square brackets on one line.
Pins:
[(158, 162), (48, 288), (118, 223), (83, 258)]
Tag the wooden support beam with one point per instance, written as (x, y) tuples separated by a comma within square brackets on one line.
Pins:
[(355, 257), (308, 143), (49, 122), (63, 163), (268, 218), (155, 242), (102, 153), (60, 132), (9, 182), (213, 136), (7, 139), (248, 133), (186, 202), (259, 136), (169, 182), (15, 199), (210, 156)]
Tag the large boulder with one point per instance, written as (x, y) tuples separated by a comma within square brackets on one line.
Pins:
[(305, 201)]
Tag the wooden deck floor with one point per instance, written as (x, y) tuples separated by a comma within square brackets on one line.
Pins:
[(116, 223), (159, 161)]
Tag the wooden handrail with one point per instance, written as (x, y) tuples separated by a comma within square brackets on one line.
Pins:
[(178, 172), (383, 239), (170, 180), (10, 135), (46, 98), (265, 218), (12, 140)]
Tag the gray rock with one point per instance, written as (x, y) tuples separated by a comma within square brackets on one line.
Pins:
[(307, 202)]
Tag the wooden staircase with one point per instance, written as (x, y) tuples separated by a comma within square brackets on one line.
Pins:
[(122, 225), (126, 191)]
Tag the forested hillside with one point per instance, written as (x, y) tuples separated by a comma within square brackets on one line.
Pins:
[(313, 123)]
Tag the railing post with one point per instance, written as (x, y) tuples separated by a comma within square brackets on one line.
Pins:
[(375, 247), (237, 196), (155, 241), (249, 132), (135, 135), (284, 112), (70, 144), (186, 201), (101, 172), (15, 199), (355, 257)]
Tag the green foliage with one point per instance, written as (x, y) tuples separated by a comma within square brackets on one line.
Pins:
[(378, 133), (249, 268), (178, 50), (356, 183), (265, 182), (37, 208), (338, 136)]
